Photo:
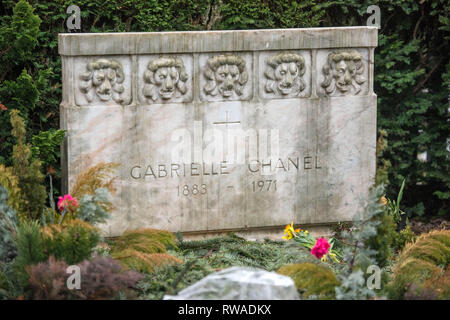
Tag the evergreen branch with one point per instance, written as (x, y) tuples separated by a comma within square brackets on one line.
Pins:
[(9, 224)]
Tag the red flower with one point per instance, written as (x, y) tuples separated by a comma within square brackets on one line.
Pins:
[(320, 248), (68, 202)]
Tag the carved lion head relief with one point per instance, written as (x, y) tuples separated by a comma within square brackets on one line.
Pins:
[(226, 75), (284, 75), (165, 78), (343, 71), (104, 79)]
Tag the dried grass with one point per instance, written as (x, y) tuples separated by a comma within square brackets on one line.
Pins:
[(98, 176)]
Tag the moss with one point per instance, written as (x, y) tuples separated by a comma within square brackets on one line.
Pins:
[(422, 269), (311, 280), (146, 241), (144, 262)]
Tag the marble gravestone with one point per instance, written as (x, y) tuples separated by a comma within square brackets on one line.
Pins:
[(219, 131)]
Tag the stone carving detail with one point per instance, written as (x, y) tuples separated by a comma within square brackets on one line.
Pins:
[(225, 74), (343, 71), (103, 78), (165, 78), (284, 74)]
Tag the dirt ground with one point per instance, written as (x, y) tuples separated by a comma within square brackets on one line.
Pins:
[(419, 227)]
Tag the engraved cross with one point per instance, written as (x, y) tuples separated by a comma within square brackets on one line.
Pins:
[(226, 122)]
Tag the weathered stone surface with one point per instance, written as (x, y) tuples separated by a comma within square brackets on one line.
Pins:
[(239, 283), (223, 130)]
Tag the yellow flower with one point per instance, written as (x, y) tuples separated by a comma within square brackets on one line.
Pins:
[(289, 231), (332, 256), (287, 237), (383, 200), (288, 227), (306, 232)]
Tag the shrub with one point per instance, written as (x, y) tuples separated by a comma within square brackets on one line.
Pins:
[(46, 147), (202, 257), (145, 249), (8, 228), (28, 171), (93, 208), (359, 249), (30, 246), (382, 241), (170, 279), (312, 280), (10, 287), (423, 266), (101, 278), (144, 262), (11, 183), (72, 242), (402, 238), (146, 241)]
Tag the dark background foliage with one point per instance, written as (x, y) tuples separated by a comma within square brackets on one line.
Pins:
[(412, 69)]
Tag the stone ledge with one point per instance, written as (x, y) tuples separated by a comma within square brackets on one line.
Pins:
[(259, 234), (80, 44)]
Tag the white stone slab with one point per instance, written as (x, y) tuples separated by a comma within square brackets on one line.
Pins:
[(223, 130)]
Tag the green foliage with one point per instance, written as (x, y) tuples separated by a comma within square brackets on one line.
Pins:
[(203, 257), (46, 145), (30, 249), (412, 83), (231, 250), (247, 14), (382, 174), (10, 287), (393, 207), (145, 250), (423, 268), (173, 278), (18, 90), (360, 249), (382, 242), (9, 181), (72, 243), (402, 238), (146, 241), (19, 38), (94, 208), (144, 262), (312, 280), (28, 172), (8, 228)]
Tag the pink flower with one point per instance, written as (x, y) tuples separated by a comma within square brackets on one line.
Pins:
[(68, 202), (320, 248)]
